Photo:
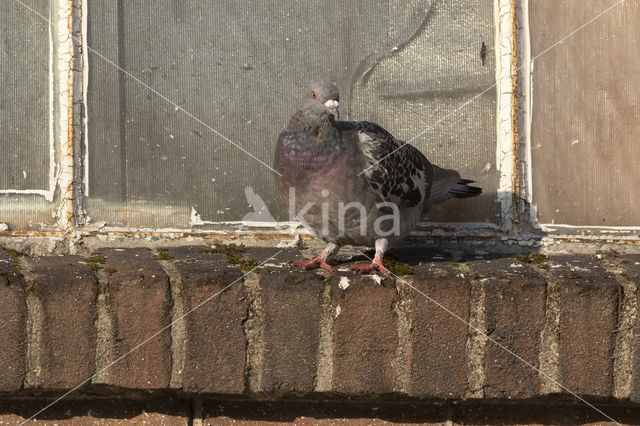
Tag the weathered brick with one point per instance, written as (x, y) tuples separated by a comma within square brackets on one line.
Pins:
[(13, 318), (190, 252), (436, 357), (630, 265), (589, 298), (274, 256), (514, 317), (291, 304), (66, 289), (140, 306), (215, 305), (365, 335)]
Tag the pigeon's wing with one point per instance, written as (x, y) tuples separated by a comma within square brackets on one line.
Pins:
[(397, 172), (443, 181), (447, 184)]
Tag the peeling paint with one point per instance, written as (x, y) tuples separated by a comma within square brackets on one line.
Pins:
[(84, 5), (63, 25), (344, 283), (551, 227), (506, 146), (196, 220)]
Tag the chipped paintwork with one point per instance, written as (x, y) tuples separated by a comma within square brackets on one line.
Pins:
[(506, 147), (63, 26)]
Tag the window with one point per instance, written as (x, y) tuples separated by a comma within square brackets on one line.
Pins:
[(171, 113), (28, 139)]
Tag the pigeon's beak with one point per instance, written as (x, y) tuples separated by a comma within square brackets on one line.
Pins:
[(332, 106)]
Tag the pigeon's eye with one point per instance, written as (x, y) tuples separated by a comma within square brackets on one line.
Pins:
[(314, 95)]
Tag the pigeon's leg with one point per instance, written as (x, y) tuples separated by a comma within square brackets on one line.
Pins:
[(320, 261), (376, 265)]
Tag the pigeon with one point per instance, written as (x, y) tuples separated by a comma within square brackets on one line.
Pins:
[(353, 183)]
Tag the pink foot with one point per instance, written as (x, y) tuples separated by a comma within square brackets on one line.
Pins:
[(375, 266), (316, 263)]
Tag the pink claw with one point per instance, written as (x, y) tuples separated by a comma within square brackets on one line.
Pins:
[(375, 266), (316, 263)]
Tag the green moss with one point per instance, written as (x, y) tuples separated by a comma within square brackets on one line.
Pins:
[(15, 255), (162, 255), (94, 262), (249, 265), (537, 259), (109, 270), (230, 250), (234, 253), (572, 275), (244, 264), (395, 266)]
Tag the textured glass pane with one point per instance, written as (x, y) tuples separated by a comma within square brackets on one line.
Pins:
[(585, 130), (25, 142), (240, 68), (24, 104)]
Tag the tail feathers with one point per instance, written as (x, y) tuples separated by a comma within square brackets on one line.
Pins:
[(462, 189)]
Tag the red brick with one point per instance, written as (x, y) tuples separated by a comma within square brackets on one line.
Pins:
[(515, 297), (215, 352), (365, 336), (589, 298), (140, 305), (436, 356), (291, 304), (66, 288), (13, 317)]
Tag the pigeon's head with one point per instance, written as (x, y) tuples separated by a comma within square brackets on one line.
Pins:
[(322, 97)]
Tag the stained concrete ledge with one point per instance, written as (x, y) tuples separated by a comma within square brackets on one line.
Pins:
[(173, 410), (199, 322)]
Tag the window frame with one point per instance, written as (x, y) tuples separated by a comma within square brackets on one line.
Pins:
[(516, 221)]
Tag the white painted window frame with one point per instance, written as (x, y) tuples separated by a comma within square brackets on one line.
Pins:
[(59, 191)]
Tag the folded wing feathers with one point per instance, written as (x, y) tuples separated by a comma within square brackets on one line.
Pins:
[(395, 166), (448, 184), (396, 171)]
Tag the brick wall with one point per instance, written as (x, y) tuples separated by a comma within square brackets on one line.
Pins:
[(185, 322)]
